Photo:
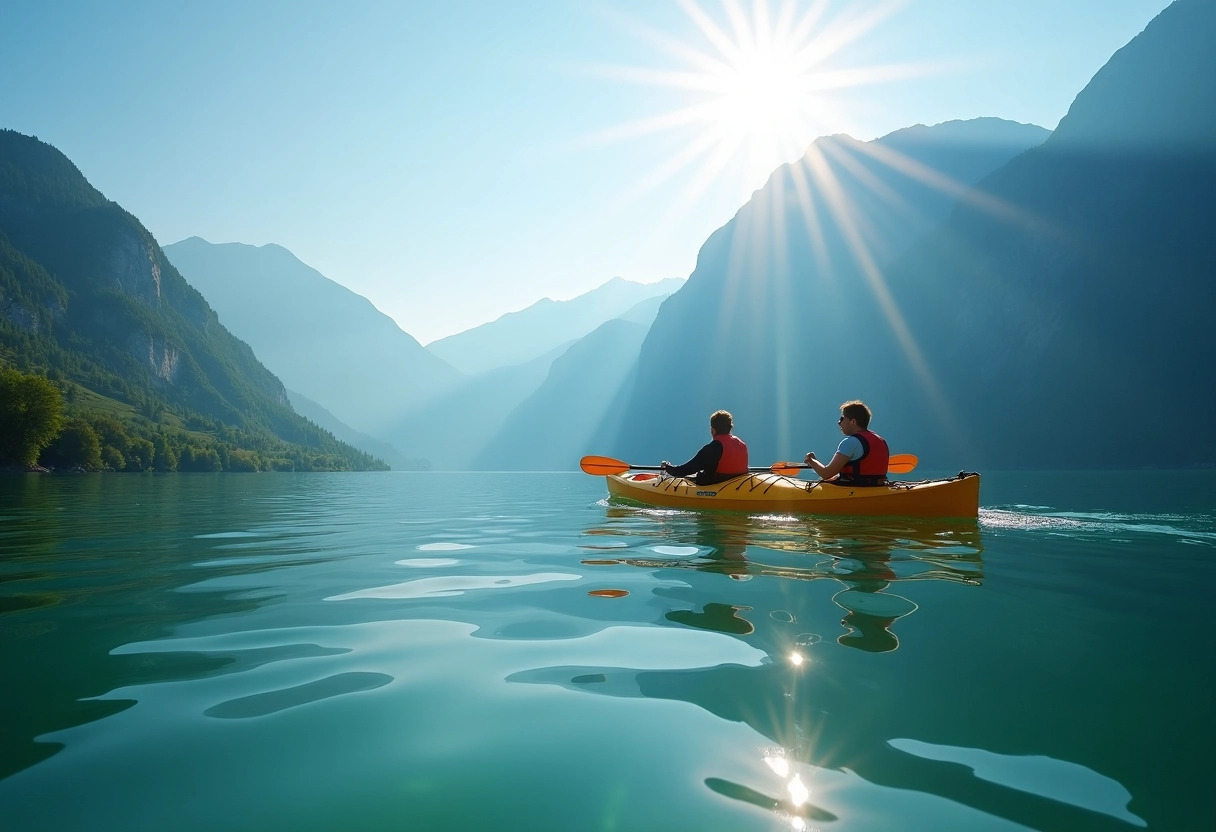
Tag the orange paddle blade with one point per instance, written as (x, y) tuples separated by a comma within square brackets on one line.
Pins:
[(602, 466)]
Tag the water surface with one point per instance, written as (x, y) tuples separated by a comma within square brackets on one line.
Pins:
[(448, 651)]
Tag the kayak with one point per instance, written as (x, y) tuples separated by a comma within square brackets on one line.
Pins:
[(768, 493)]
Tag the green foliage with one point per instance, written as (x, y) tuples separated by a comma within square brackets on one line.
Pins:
[(77, 446), (40, 174), (194, 458), (31, 413)]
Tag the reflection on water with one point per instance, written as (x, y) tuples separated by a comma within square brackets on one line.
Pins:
[(863, 555), (785, 699), (369, 651)]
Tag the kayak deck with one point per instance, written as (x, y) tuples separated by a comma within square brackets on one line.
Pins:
[(957, 496)]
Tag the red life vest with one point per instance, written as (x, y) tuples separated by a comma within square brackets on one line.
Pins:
[(871, 466), (734, 454)]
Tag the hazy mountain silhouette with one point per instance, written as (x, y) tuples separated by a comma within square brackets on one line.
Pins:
[(532, 416), (519, 337), (453, 431), (554, 426), (314, 412), (776, 292), (323, 340)]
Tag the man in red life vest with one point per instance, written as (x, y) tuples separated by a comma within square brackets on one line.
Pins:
[(721, 459), (862, 456)]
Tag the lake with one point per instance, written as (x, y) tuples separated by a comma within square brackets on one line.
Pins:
[(466, 652)]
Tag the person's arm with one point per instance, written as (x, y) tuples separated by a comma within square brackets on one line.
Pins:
[(706, 460), (826, 472), (849, 449)]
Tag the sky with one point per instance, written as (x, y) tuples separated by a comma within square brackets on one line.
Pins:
[(455, 160)]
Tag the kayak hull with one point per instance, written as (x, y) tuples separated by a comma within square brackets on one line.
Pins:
[(774, 494)]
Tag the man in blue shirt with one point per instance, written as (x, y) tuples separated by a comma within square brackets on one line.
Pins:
[(862, 456)]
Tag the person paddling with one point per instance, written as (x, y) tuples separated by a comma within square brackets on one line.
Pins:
[(723, 458), (862, 456)]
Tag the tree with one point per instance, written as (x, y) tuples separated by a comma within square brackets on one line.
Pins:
[(194, 458), (31, 413), (165, 453), (77, 446), (140, 454)]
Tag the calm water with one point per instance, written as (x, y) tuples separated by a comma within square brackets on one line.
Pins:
[(458, 652)]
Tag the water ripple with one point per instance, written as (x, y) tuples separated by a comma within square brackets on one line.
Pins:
[(263, 704), (454, 585)]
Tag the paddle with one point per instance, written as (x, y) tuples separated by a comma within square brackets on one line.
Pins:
[(897, 464), (606, 466)]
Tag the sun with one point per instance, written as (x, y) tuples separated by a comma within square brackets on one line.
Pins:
[(760, 97), (758, 82)]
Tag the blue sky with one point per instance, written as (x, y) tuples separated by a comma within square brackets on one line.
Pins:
[(456, 160)]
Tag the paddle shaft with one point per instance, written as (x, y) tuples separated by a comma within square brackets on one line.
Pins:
[(607, 466)]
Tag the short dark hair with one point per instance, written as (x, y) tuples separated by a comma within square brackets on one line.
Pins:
[(721, 421), (857, 411)]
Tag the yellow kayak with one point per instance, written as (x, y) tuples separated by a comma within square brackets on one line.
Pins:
[(768, 493)]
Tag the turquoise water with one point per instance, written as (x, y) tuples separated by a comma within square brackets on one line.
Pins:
[(446, 651)]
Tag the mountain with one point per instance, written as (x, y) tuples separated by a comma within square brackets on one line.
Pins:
[(1054, 314), (317, 414), (519, 337), (454, 430), (323, 340), (553, 427), (773, 303), (1069, 324), (88, 297)]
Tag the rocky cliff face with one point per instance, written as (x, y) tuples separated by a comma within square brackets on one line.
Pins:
[(133, 268)]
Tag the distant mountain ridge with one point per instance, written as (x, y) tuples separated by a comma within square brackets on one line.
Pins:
[(519, 337), (326, 342), (552, 427), (454, 430), (538, 415)]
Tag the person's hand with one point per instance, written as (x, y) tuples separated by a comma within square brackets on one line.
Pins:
[(809, 457)]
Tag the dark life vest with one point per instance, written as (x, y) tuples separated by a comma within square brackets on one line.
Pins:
[(871, 467), (734, 454)]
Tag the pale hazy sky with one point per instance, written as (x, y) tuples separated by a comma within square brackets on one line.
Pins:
[(454, 160)]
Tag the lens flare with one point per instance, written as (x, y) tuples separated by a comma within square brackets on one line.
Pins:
[(758, 82)]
